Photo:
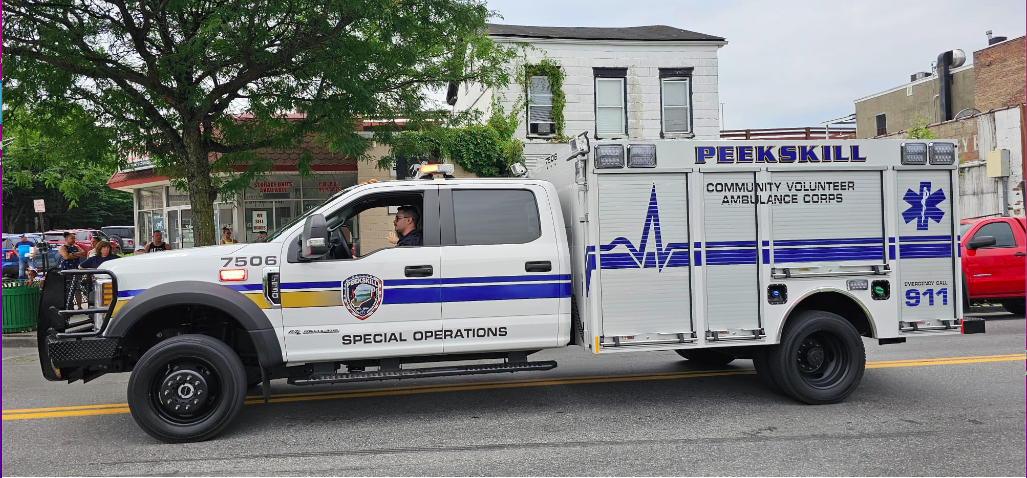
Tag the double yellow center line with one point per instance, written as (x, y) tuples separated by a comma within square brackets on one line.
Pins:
[(119, 408)]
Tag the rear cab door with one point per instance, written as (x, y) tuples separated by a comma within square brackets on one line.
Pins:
[(506, 282)]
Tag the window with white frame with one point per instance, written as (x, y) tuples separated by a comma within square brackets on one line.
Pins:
[(677, 115), (611, 115), (540, 107)]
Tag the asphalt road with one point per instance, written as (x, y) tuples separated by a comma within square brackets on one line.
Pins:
[(932, 407)]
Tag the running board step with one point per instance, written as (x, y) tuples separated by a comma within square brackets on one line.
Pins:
[(324, 378)]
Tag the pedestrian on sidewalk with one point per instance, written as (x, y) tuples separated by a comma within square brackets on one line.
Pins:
[(23, 249), (71, 258), (157, 245), (226, 238), (103, 252)]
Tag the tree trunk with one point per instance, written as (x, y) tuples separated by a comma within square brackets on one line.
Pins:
[(201, 192)]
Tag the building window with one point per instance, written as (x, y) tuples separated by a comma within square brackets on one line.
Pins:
[(676, 105), (540, 107), (882, 125), (611, 99)]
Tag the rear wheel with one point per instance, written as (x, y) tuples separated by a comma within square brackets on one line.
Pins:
[(1014, 306), (820, 358), (707, 357), (187, 388)]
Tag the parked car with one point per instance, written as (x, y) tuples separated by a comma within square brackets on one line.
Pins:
[(994, 261), (82, 236), (124, 235), (10, 260)]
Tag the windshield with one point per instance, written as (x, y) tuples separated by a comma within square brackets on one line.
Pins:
[(303, 217)]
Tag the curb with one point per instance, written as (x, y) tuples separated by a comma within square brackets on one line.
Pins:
[(20, 340)]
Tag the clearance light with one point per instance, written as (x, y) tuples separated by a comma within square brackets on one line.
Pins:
[(914, 153), (609, 156), (642, 156), (232, 275), (942, 153)]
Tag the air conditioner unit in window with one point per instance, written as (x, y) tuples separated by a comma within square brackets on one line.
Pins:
[(541, 128)]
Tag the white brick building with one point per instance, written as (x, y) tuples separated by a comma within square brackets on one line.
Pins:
[(651, 82)]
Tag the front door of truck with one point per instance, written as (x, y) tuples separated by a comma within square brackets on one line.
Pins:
[(996, 271), (383, 302)]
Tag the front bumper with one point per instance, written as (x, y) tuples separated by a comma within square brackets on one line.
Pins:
[(70, 341)]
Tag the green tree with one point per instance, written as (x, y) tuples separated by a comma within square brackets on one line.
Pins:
[(200, 86), (57, 152), (918, 130)]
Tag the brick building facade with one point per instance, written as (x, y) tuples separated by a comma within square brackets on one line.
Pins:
[(999, 73)]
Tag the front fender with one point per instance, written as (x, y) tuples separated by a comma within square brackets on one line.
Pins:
[(216, 296)]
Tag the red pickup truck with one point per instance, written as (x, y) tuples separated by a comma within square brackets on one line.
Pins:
[(995, 261)]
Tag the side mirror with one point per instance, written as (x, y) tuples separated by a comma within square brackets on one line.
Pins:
[(980, 241), (314, 242)]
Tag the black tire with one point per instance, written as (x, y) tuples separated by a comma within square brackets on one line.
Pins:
[(706, 357), (1015, 306), (820, 359), (187, 367), (760, 361)]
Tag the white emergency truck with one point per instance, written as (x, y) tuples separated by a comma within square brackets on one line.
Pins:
[(786, 253)]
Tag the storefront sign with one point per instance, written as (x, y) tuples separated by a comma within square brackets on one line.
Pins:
[(328, 186), (158, 222), (273, 187), (259, 221)]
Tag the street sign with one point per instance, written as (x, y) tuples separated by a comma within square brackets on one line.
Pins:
[(259, 221), (39, 205)]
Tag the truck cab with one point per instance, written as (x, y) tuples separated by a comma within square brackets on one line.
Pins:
[(994, 260)]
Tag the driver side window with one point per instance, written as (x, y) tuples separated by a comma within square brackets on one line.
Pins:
[(365, 225)]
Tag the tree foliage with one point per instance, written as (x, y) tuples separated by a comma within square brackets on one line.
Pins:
[(485, 149), (57, 152), (918, 130), (200, 86)]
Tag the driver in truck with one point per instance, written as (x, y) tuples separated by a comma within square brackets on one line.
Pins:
[(406, 233)]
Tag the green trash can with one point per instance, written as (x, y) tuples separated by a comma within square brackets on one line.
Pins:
[(21, 303)]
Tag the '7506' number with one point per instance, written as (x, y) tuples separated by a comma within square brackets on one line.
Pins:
[(915, 297), (252, 261)]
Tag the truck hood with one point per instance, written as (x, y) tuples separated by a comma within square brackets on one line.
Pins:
[(197, 263)]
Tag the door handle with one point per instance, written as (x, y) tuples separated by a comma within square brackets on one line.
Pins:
[(419, 271), (538, 266), (1019, 254)]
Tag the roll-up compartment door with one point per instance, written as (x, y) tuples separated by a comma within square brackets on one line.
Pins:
[(730, 234), (925, 248), (826, 221), (644, 255)]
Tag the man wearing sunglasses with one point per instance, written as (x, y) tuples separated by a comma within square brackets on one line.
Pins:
[(406, 233)]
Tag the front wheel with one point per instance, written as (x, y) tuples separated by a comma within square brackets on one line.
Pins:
[(187, 388), (706, 357), (820, 358)]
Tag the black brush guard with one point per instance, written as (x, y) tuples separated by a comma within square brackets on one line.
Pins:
[(66, 352)]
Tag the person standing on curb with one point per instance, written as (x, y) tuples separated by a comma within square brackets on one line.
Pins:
[(157, 245), (23, 249), (227, 237)]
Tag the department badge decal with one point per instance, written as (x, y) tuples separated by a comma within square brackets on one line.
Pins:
[(362, 295)]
